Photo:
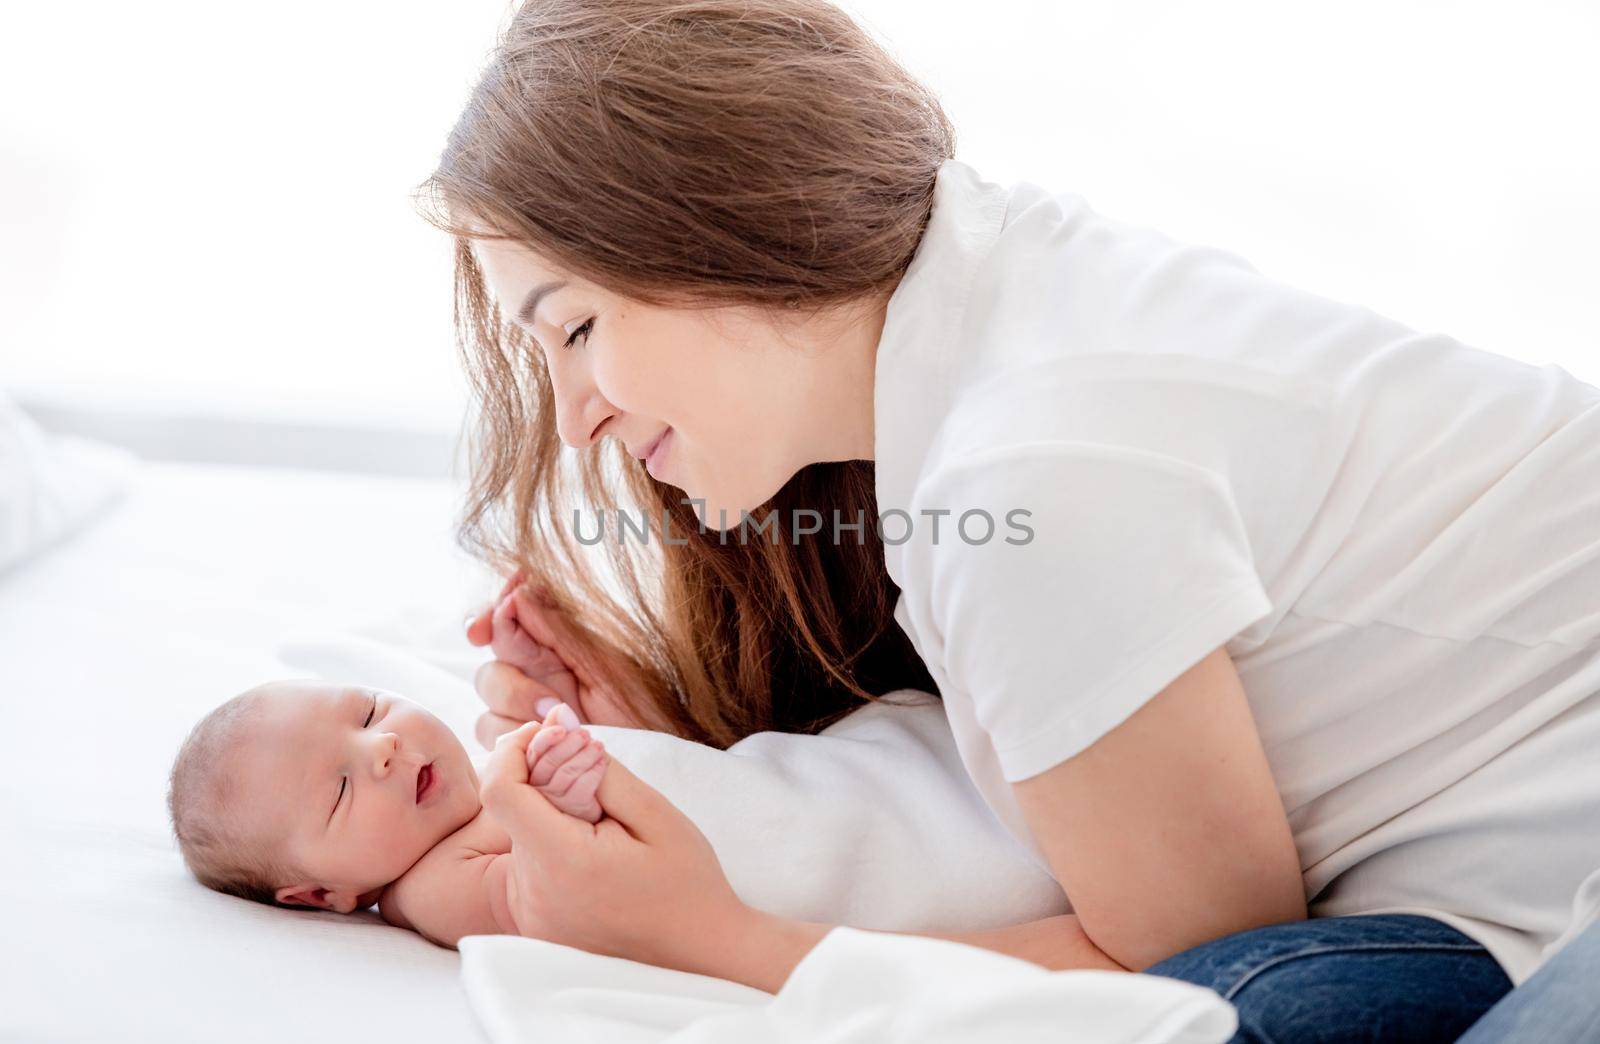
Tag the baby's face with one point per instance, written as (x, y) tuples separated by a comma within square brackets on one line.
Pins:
[(335, 771)]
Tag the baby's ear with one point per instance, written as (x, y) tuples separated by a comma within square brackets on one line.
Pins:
[(308, 894)]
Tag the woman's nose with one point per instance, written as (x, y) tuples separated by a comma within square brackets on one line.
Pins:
[(580, 408)]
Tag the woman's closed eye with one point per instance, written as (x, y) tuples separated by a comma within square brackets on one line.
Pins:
[(586, 329)]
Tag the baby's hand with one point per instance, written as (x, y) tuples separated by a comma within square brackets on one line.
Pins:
[(512, 643), (566, 763)]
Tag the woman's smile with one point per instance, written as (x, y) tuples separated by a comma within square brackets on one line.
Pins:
[(656, 455)]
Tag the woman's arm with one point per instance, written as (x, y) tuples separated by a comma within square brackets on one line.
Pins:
[(767, 948), (1168, 831), (1058, 943)]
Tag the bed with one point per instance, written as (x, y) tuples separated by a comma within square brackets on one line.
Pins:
[(189, 582), (113, 643)]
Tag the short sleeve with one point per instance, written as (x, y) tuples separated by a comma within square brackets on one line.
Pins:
[(1111, 571)]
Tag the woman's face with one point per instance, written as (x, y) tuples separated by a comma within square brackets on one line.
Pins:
[(732, 407)]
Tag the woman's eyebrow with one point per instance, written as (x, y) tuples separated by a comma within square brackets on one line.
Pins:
[(531, 302)]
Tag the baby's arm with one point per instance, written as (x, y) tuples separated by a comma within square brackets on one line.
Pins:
[(566, 764)]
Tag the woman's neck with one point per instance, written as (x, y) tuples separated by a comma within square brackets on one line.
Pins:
[(840, 419)]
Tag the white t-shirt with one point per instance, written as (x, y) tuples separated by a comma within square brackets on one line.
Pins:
[(1396, 536)]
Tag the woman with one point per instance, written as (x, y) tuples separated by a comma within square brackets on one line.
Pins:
[(1237, 598)]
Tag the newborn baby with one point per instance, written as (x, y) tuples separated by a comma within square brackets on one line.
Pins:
[(303, 793)]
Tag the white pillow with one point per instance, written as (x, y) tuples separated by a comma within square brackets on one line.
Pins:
[(51, 485)]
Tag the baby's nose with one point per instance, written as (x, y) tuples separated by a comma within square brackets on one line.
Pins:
[(387, 752)]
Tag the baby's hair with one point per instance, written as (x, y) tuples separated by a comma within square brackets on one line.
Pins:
[(202, 798)]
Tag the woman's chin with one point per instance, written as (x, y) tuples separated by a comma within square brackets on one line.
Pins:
[(724, 511), (719, 518), (719, 514)]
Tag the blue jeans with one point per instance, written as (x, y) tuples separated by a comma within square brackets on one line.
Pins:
[(1559, 1002), (1339, 980)]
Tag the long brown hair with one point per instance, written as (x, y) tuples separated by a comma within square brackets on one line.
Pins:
[(696, 153)]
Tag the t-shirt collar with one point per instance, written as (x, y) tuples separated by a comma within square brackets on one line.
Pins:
[(919, 357)]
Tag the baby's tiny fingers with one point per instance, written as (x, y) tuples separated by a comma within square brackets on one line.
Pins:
[(548, 737), (548, 763), (576, 766), (542, 741), (585, 791), (551, 760)]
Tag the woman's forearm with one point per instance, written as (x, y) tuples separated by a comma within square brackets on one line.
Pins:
[(765, 949), (759, 950), (1058, 943)]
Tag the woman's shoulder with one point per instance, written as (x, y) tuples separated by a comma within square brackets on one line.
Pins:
[(1155, 411)]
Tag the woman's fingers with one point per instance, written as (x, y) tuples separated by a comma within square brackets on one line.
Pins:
[(504, 772), (513, 644), (479, 625), (512, 694), (491, 726), (639, 807), (544, 622)]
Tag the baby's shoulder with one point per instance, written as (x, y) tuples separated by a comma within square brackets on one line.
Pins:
[(441, 896), (481, 836)]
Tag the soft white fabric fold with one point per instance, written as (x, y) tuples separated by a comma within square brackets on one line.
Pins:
[(855, 987), (52, 486)]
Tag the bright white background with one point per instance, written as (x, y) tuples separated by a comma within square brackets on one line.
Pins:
[(206, 206)]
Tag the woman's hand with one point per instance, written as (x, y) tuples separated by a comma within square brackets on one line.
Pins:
[(539, 661), (642, 883)]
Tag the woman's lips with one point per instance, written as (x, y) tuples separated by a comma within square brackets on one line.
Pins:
[(654, 462), (426, 782)]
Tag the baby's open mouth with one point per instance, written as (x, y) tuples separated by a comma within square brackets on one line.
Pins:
[(424, 781)]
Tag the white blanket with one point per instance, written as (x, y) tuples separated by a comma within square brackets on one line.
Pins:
[(871, 824)]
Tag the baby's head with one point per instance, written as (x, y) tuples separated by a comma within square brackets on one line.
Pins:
[(306, 793)]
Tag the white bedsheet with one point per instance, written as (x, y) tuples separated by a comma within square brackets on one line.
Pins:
[(112, 645)]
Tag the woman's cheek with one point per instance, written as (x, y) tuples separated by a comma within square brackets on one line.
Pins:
[(621, 384)]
